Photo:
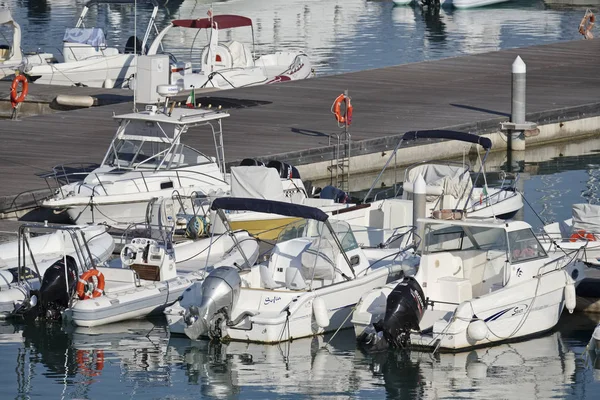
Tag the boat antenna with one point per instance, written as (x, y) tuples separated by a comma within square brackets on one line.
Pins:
[(135, 57)]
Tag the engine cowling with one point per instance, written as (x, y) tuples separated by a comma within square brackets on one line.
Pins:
[(213, 301), (405, 307), (56, 289)]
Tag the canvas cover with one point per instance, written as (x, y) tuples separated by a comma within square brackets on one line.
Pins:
[(452, 180), (256, 182), (586, 217), (91, 36), (240, 56)]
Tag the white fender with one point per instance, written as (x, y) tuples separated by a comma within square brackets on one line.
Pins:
[(320, 312), (477, 330), (570, 297)]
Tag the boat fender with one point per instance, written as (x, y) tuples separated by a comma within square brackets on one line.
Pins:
[(320, 312), (108, 83), (570, 297), (86, 282), (74, 100), (477, 330)]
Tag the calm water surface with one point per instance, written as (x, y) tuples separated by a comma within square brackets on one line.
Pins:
[(136, 360)]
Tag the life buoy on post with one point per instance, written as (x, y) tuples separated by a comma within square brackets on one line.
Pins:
[(86, 280), (18, 98), (336, 109), (587, 23)]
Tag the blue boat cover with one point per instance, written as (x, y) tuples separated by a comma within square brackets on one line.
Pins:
[(485, 142), (269, 207)]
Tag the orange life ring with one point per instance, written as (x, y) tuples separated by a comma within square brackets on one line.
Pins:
[(14, 98), (83, 360), (586, 25), (581, 234), (337, 109), (85, 280)]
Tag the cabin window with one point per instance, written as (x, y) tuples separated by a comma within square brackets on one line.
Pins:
[(440, 237), (524, 246)]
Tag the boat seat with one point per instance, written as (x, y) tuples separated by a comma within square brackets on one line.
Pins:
[(266, 278), (223, 58)]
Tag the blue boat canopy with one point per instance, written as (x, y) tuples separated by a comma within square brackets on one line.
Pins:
[(485, 142), (269, 207)]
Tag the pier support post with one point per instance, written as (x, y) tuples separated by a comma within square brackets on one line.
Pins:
[(515, 129)]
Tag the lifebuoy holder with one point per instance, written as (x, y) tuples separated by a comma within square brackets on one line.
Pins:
[(87, 288), (16, 98), (344, 117)]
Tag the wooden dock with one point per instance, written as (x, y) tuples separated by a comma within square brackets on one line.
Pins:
[(292, 121)]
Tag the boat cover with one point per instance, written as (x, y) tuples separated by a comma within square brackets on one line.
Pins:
[(586, 217), (256, 182), (453, 180), (92, 36), (240, 55), (269, 207)]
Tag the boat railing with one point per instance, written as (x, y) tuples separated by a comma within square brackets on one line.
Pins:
[(562, 261), (82, 253), (144, 176)]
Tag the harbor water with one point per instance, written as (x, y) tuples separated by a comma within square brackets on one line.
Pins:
[(138, 360)]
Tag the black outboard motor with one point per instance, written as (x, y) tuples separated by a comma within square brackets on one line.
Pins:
[(403, 312), (56, 289), (285, 170), (251, 162)]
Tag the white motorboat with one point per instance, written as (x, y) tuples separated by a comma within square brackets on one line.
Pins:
[(230, 64), (306, 286), (475, 3), (478, 282), (25, 261), (89, 60), (11, 55), (580, 231), (449, 185), (146, 159)]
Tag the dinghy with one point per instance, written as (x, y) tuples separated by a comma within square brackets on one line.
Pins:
[(146, 159), (228, 64), (478, 282), (89, 60), (25, 261), (306, 286), (449, 185)]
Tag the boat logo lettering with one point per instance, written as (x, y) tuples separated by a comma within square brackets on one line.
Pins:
[(507, 312), (272, 300), (519, 272)]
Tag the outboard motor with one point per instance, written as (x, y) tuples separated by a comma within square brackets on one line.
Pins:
[(403, 312), (57, 289), (216, 297), (285, 170), (251, 162)]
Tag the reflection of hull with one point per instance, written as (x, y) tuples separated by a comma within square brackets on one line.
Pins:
[(475, 3)]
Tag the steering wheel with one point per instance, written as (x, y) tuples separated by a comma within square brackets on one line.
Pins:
[(128, 254)]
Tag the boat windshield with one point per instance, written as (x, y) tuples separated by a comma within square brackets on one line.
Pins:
[(315, 229), (524, 246), (141, 154), (448, 237)]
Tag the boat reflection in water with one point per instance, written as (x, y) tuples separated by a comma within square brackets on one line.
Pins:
[(540, 368), (137, 359)]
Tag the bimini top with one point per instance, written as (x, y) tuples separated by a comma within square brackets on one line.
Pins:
[(269, 207), (221, 22), (485, 142)]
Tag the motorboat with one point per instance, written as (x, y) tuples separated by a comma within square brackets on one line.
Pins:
[(306, 286), (478, 282), (11, 55), (145, 160), (227, 64), (461, 4), (144, 280), (450, 186), (580, 231), (88, 60), (40, 248)]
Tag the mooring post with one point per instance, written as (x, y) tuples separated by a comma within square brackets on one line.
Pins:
[(515, 129)]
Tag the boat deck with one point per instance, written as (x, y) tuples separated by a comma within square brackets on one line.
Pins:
[(292, 121)]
